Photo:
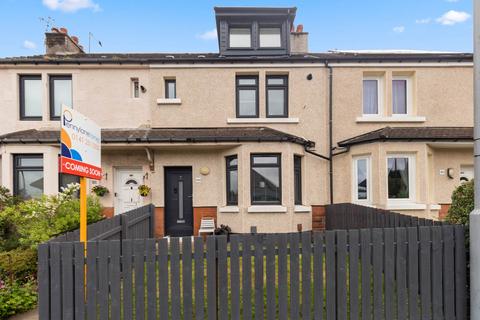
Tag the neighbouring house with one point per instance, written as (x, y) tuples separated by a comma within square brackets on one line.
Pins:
[(263, 133)]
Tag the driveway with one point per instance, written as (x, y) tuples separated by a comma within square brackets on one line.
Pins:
[(30, 315)]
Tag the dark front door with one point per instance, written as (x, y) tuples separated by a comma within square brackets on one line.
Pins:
[(178, 202)]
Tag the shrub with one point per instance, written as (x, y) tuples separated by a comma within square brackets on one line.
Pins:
[(19, 264), (462, 204), (17, 298)]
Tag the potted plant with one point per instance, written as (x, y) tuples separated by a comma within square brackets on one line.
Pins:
[(100, 190), (144, 190)]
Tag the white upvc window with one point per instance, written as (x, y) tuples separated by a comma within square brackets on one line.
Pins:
[(402, 99), (372, 96), (401, 178), (362, 180), (240, 37)]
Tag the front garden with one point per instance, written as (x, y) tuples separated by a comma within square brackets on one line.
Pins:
[(24, 225)]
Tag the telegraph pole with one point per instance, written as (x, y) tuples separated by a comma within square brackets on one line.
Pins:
[(475, 214)]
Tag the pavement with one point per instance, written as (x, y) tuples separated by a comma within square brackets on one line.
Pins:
[(30, 315)]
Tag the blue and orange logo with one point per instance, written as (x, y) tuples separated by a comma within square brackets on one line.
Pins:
[(67, 150)]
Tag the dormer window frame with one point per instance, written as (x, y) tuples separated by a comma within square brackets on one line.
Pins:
[(271, 26), (248, 26)]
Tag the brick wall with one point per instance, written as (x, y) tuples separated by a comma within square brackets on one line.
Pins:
[(318, 218), (159, 222), (442, 214), (201, 212)]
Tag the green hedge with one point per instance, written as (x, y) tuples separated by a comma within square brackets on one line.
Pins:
[(462, 204)]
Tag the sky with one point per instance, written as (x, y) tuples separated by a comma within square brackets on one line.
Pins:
[(189, 26)]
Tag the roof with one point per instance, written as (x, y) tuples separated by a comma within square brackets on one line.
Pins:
[(211, 58), (412, 134), (164, 135)]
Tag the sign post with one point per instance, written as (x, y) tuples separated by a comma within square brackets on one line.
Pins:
[(80, 155)]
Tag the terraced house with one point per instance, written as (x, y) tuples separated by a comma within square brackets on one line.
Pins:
[(263, 133)]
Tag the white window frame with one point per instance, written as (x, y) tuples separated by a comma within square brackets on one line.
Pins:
[(132, 87), (381, 96), (409, 97), (411, 178), (355, 198)]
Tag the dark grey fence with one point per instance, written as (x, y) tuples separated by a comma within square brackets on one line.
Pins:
[(135, 224), (402, 273), (345, 216)]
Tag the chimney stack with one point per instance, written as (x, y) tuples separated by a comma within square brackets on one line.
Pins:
[(298, 40), (58, 42)]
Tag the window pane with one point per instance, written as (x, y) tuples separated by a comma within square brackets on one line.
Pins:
[(265, 160), (33, 97), (297, 171), (62, 95), (270, 38), (232, 162), (247, 82), (266, 184), (29, 184), (275, 81), (399, 92), (398, 184), (276, 102), (370, 97), (240, 38), (171, 92), (362, 179), (29, 162), (136, 88), (232, 187), (247, 102)]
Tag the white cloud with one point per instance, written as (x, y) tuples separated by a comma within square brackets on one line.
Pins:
[(423, 21), (399, 29), (71, 5), (453, 17), (208, 35), (27, 44)]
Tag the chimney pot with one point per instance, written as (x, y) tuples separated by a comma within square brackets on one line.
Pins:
[(64, 30), (75, 39), (300, 28)]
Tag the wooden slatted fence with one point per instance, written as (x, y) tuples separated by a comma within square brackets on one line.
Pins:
[(134, 224), (345, 216), (403, 273)]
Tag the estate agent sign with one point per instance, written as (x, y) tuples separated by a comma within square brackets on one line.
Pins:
[(80, 142)]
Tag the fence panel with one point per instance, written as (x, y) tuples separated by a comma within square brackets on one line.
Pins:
[(352, 216), (393, 273)]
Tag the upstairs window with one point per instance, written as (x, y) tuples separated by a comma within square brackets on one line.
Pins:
[(28, 175), (31, 97), (373, 95), (240, 38), (247, 96), (232, 180), (60, 93), (170, 89), (265, 179), (270, 37), (277, 96), (135, 88), (400, 96)]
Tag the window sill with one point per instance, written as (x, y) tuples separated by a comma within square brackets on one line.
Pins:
[(229, 209), (435, 207), (302, 209), (267, 209), (262, 120), (367, 119), (163, 101), (406, 206)]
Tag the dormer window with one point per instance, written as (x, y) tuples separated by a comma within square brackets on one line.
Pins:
[(240, 38), (270, 37)]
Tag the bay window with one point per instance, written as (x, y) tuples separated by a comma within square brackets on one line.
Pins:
[(28, 175), (401, 177), (265, 179), (232, 180), (361, 179)]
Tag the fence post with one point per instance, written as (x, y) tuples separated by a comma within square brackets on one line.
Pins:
[(124, 224), (152, 220)]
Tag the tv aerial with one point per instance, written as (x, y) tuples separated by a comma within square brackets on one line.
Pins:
[(47, 21)]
